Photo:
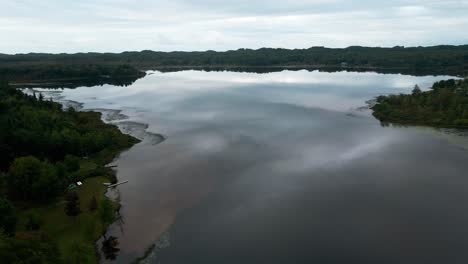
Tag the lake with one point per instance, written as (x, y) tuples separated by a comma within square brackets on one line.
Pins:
[(283, 167)]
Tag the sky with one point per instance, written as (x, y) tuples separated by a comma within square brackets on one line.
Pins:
[(69, 26)]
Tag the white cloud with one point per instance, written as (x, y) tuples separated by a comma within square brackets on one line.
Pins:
[(413, 11), (118, 25)]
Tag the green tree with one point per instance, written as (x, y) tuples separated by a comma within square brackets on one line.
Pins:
[(23, 173), (110, 247), (416, 90), (93, 205), (29, 178), (48, 185), (72, 204), (32, 250)]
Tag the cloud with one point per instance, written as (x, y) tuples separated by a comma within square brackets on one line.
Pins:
[(119, 25), (412, 11)]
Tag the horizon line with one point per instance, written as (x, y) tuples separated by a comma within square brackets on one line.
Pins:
[(231, 50)]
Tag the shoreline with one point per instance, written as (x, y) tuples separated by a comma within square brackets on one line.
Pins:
[(101, 163), (126, 126)]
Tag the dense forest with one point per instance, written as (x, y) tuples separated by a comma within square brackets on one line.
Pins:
[(451, 60), (43, 150), (69, 75), (445, 105)]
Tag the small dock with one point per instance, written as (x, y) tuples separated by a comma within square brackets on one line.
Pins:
[(116, 184)]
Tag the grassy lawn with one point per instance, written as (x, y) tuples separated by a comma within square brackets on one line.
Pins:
[(74, 235)]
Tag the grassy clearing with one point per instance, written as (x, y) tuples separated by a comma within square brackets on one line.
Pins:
[(74, 235)]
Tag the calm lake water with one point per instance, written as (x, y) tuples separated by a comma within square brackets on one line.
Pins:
[(286, 167)]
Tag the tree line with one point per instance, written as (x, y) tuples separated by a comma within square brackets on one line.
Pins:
[(69, 75), (427, 60), (444, 105)]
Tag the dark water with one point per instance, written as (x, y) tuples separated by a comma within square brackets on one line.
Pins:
[(283, 167)]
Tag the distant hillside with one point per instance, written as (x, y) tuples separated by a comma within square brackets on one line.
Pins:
[(451, 60)]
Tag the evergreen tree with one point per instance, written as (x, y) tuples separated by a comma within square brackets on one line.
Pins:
[(72, 205), (93, 206), (110, 248), (416, 90)]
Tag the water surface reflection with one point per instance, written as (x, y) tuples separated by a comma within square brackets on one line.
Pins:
[(283, 167)]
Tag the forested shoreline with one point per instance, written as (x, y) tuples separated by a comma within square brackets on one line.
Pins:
[(44, 152), (444, 105), (70, 75), (436, 60)]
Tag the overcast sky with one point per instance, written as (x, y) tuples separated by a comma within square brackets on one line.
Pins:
[(118, 25)]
